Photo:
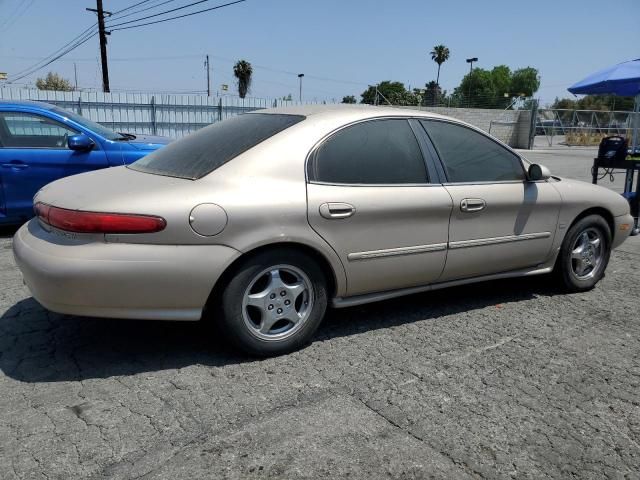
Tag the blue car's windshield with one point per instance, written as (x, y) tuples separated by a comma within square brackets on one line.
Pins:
[(89, 124)]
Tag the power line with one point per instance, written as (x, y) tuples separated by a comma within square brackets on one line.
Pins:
[(201, 55), (113, 59), (90, 32), (48, 57), (34, 69), (16, 14), (177, 17), (120, 17), (9, 17), (130, 7), (161, 13)]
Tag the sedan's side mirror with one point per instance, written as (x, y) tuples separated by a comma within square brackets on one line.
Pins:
[(80, 142), (538, 172)]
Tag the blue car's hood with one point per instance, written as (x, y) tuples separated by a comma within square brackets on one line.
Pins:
[(148, 142)]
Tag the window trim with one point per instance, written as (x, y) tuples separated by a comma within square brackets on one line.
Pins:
[(33, 114), (310, 159), (480, 132)]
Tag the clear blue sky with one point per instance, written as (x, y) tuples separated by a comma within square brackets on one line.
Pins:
[(354, 41)]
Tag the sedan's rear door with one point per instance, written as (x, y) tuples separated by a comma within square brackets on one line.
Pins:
[(370, 197)]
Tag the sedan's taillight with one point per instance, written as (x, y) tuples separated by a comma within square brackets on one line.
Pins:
[(97, 222)]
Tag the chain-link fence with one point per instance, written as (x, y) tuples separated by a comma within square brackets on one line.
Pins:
[(582, 127)]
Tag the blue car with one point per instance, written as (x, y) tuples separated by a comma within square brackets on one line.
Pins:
[(40, 143)]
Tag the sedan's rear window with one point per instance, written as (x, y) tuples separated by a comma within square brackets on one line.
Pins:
[(201, 153)]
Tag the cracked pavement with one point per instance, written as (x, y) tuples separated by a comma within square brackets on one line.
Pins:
[(499, 380)]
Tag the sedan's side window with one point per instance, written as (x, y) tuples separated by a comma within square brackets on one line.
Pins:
[(25, 130), (374, 152), (469, 156)]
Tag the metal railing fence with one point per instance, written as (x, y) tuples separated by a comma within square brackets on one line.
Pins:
[(176, 115), (171, 115)]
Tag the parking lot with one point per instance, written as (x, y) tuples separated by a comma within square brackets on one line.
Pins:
[(506, 379)]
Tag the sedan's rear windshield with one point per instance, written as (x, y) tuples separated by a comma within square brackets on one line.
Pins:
[(201, 153)]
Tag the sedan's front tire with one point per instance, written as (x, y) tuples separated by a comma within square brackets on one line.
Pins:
[(585, 253), (273, 303)]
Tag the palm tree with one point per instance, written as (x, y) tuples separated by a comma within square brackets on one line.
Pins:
[(243, 71), (439, 54)]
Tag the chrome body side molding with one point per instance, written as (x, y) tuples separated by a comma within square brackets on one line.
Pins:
[(496, 240), (392, 252)]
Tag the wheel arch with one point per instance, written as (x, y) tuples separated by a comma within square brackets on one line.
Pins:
[(316, 255), (601, 211)]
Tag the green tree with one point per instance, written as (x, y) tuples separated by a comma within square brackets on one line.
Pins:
[(525, 81), (496, 88), (476, 89), (439, 54), (53, 81), (595, 102), (243, 70), (501, 79), (432, 94), (387, 89), (349, 99), (406, 98)]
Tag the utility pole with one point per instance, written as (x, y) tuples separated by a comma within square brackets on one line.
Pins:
[(103, 43), (75, 74), (208, 67)]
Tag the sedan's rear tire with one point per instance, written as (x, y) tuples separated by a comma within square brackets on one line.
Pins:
[(273, 303), (584, 254)]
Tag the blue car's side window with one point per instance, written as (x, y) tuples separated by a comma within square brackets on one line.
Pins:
[(26, 130)]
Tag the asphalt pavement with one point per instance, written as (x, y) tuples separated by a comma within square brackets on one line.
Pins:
[(508, 379)]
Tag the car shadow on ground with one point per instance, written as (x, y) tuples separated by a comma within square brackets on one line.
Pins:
[(40, 346)]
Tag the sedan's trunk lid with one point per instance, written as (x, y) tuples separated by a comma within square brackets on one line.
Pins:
[(121, 190), (116, 189)]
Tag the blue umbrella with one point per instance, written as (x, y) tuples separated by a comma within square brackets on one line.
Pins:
[(621, 79)]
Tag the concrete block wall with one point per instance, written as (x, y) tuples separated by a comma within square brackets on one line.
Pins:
[(509, 126)]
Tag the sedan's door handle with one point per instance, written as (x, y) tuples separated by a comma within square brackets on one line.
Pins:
[(337, 210), (472, 204), (15, 164)]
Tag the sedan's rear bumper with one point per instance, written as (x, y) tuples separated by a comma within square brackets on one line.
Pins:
[(94, 278)]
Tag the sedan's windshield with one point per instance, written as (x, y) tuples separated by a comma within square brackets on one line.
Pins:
[(198, 154), (89, 124)]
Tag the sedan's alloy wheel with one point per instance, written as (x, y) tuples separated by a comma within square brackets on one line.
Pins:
[(587, 253), (584, 254), (277, 302)]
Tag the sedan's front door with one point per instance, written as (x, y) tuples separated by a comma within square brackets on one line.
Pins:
[(500, 221), (370, 198), (34, 152)]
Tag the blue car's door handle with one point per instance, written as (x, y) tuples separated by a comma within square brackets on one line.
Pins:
[(17, 165)]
